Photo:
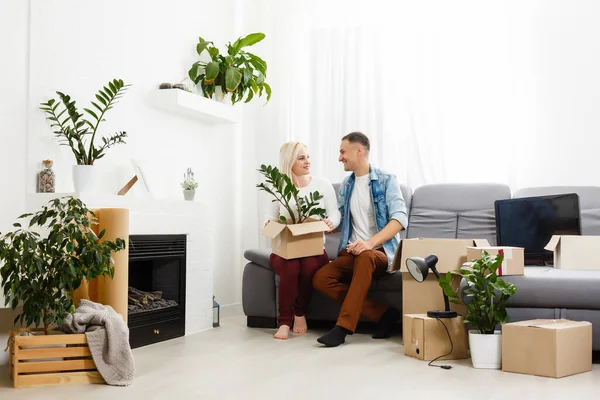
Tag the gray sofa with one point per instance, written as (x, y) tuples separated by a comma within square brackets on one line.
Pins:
[(453, 211)]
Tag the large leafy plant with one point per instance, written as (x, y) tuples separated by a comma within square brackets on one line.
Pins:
[(281, 187), (238, 72), (41, 271), (75, 130), (487, 293)]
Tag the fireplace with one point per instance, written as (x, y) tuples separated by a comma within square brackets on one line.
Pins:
[(156, 307)]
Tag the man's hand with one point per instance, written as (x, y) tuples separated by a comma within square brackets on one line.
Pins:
[(329, 223), (358, 247)]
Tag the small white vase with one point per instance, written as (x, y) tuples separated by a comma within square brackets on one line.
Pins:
[(486, 350), (222, 97), (188, 195), (83, 178)]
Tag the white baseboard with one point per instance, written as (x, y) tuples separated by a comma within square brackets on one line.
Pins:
[(230, 310)]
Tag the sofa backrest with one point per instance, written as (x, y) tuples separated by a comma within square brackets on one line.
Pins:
[(333, 239), (456, 211), (589, 203)]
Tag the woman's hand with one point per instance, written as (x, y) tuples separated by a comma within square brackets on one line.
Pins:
[(329, 223)]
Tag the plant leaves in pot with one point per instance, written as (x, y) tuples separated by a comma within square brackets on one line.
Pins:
[(485, 295), (79, 131)]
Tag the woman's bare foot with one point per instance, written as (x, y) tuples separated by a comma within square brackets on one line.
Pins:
[(282, 333), (300, 324)]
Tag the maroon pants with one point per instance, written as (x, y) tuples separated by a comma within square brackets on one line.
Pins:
[(295, 284)]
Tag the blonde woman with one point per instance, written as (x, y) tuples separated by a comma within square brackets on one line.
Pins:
[(295, 276)]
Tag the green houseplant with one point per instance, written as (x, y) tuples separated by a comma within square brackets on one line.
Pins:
[(79, 131), (40, 272), (281, 187), (238, 72), (487, 296), (189, 185)]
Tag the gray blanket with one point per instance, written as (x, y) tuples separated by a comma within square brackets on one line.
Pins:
[(108, 337)]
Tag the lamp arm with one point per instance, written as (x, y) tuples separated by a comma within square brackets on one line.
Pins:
[(446, 302)]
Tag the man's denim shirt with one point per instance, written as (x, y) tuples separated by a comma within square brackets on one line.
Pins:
[(388, 204)]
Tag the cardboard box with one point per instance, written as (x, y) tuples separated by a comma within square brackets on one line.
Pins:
[(451, 253), (296, 240), (547, 347), (427, 339), (575, 252), (514, 258)]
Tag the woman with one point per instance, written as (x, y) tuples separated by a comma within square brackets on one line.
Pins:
[(295, 275)]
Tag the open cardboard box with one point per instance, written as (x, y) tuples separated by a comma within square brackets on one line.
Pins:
[(290, 241), (575, 252)]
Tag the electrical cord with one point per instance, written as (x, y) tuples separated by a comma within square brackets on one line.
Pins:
[(443, 355)]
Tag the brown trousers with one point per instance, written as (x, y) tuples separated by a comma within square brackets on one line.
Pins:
[(347, 280)]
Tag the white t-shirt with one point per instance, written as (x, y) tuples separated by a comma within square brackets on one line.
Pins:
[(328, 202), (362, 214)]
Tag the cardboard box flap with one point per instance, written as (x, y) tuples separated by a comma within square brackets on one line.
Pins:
[(272, 229), (481, 242), (551, 246), (308, 227)]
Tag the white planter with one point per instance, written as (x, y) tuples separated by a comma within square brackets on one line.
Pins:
[(486, 350), (83, 178), (188, 195), (220, 97)]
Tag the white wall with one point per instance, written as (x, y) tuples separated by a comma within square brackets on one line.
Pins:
[(14, 23)]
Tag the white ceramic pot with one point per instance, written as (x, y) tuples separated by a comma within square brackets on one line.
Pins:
[(486, 350), (83, 178), (222, 97), (188, 195)]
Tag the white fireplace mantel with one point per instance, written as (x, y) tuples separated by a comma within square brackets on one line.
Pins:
[(164, 216)]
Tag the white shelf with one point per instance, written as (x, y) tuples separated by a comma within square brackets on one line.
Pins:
[(195, 106)]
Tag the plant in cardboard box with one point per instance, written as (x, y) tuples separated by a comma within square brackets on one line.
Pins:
[(40, 272), (486, 296), (299, 233)]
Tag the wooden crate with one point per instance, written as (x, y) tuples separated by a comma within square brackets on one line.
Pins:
[(38, 361)]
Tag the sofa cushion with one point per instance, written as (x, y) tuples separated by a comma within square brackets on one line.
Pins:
[(461, 211), (589, 203)]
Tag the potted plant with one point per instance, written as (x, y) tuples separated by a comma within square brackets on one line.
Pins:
[(281, 187), (40, 272), (189, 185), (486, 295), (78, 131), (238, 73)]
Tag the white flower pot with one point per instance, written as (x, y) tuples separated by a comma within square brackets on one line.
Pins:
[(83, 178), (486, 350), (188, 195), (220, 97)]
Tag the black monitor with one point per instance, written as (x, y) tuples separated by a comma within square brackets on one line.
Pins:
[(530, 222)]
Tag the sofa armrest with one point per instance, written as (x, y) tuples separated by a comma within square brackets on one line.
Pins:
[(259, 257)]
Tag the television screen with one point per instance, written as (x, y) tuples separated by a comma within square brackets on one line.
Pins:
[(530, 222)]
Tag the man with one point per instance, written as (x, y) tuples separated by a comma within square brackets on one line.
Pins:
[(373, 212)]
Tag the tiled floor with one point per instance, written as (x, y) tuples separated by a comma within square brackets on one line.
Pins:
[(235, 362)]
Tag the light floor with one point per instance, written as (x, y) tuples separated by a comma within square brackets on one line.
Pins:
[(235, 362)]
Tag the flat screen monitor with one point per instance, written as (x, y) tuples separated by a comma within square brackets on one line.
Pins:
[(530, 222)]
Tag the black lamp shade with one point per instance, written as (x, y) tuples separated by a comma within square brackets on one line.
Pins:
[(418, 267)]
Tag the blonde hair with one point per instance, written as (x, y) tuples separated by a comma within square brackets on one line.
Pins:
[(288, 153)]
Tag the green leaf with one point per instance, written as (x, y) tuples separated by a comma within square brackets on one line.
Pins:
[(251, 39), (212, 71), (233, 76), (200, 47), (267, 90)]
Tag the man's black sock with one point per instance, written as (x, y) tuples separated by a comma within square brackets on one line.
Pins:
[(334, 337), (386, 325)]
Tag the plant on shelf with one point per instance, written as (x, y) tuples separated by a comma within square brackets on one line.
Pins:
[(238, 72), (77, 130), (41, 272), (281, 187), (189, 184), (486, 295)]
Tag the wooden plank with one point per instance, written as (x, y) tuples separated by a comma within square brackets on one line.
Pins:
[(46, 340), (62, 352), (65, 378), (55, 366), (15, 375), (128, 186)]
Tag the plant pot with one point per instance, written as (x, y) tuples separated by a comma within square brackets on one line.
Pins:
[(83, 178), (188, 195), (486, 350), (220, 96)]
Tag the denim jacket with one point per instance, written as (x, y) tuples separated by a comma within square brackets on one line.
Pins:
[(388, 204)]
